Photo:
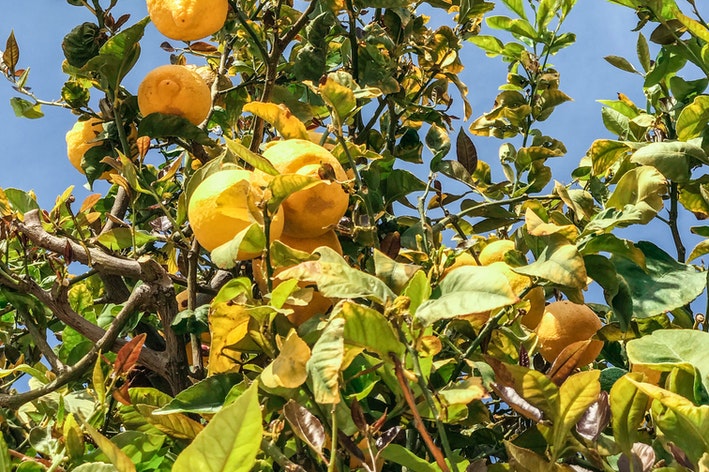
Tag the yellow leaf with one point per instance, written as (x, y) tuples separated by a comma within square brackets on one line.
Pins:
[(228, 325), (537, 227), (280, 117), (288, 369), (175, 425)]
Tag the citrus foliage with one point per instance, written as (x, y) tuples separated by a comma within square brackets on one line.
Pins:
[(421, 353)]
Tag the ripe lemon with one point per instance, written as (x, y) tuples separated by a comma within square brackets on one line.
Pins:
[(82, 137), (495, 251), (175, 90), (564, 323), (187, 20), (318, 304), (313, 211), (224, 204)]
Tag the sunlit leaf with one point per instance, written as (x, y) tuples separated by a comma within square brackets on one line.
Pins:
[(257, 161), (325, 361), (368, 329), (663, 285), (231, 440), (395, 274), (671, 158), (467, 289), (604, 153), (118, 239), (642, 189), (117, 457), (628, 406), (336, 279), (206, 396), (280, 117), (693, 118), (288, 369), (576, 395), (666, 349), (228, 325), (680, 420)]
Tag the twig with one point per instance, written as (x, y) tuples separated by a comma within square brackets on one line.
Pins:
[(137, 298), (674, 214), (418, 421), (40, 340), (272, 450)]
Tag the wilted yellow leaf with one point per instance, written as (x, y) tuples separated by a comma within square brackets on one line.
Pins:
[(228, 325), (288, 369), (280, 117)]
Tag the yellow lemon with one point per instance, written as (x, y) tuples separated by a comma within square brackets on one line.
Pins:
[(564, 323), (313, 211), (187, 20), (175, 90), (82, 137), (495, 251), (223, 205)]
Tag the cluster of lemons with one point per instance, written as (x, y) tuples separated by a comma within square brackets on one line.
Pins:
[(169, 89), (231, 200), (557, 325)]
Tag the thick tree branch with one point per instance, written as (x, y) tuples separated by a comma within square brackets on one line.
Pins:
[(92, 257), (139, 296)]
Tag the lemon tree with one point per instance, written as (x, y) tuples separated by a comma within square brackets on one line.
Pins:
[(298, 264)]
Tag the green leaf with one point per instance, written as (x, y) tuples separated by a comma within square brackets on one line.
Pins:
[(141, 448), (26, 109), (369, 329), (336, 279), (665, 284), (614, 245), (338, 95), (490, 44), (694, 27), (206, 396), (643, 50), (628, 407), (282, 186), (255, 160), (671, 158), (604, 153), (117, 56), (251, 240), (467, 289), (325, 362), (559, 263), (82, 43), (118, 239), (533, 386), (231, 440), (621, 63), (395, 274), (518, 26), (5, 462), (160, 125), (400, 455), (642, 189), (576, 395), (117, 457), (92, 467), (666, 349), (679, 420), (516, 6), (693, 118)]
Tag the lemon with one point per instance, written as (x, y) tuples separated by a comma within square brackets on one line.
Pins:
[(187, 20), (82, 137), (564, 323), (175, 90), (318, 304), (223, 205), (495, 251), (313, 211)]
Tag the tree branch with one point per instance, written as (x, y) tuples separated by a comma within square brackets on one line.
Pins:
[(140, 295), (40, 340)]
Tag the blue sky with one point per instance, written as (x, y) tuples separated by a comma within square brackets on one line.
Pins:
[(35, 154)]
